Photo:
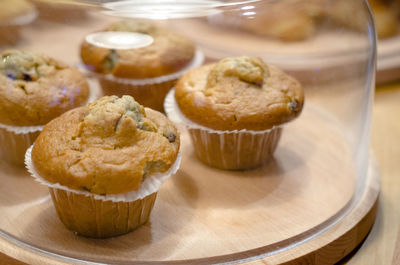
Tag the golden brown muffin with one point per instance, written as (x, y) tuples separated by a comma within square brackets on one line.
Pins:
[(13, 15), (348, 14), (107, 147), (241, 104), (169, 53), (386, 20), (239, 93), (290, 20), (61, 10), (293, 20), (35, 88)]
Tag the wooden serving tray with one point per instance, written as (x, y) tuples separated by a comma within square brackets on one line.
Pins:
[(305, 205)]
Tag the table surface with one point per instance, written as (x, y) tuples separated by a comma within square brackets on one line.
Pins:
[(382, 245)]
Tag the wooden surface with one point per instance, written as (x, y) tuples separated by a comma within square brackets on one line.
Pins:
[(263, 209), (382, 245), (379, 248)]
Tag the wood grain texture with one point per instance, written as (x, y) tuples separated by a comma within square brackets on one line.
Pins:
[(222, 221), (379, 247), (261, 210)]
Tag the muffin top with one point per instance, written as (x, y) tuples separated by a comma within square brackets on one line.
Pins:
[(169, 53), (35, 88), (11, 9), (107, 147), (239, 93)]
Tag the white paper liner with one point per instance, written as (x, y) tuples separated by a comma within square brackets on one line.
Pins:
[(150, 185), (21, 129), (197, 60), (93, 95), (174, 114), (21, 20)]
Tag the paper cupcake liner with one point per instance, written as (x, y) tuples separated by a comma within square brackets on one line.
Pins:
[(197, 60), (90, 217), (229, 149), (102, 216), (150, 185), (151, 96), (234, 151), (14, 145)]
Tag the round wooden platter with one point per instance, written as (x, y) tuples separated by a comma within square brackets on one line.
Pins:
[(305, 206)]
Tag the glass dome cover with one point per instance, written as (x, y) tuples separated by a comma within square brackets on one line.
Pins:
[(316, 177)]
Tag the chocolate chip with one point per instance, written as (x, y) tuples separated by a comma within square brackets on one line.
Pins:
[(26, 77), (171, 137), (293, 105), (84, 188)]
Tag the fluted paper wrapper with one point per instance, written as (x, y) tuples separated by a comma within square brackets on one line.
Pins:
[(233, 150), (149, 92), (102, 216), (15, 140)]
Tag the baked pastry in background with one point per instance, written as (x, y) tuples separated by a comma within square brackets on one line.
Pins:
[(235, 109), (13, 9), (34, 89), (347, 13), (61, 10), (13, 15), (297, 20), (146, 73), (104, 163), (386, 18), (292, 20)]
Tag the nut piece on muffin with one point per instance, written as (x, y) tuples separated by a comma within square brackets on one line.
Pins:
[(110, 147), (236, 108), (34, 89), (145, 73)]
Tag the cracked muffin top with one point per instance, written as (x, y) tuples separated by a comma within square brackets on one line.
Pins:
[(35, 88), (107, 147), (239, 93), (169, 53)]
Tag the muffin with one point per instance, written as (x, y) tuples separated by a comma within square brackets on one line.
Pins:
[(14, 14), (104, 164), (60, 10), (146, 73), (347, 13), (291, 20), (235, 109), (34, 89), (386, 20)]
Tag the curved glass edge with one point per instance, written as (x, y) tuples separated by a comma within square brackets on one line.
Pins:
[(361, 157), (247, 256)]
